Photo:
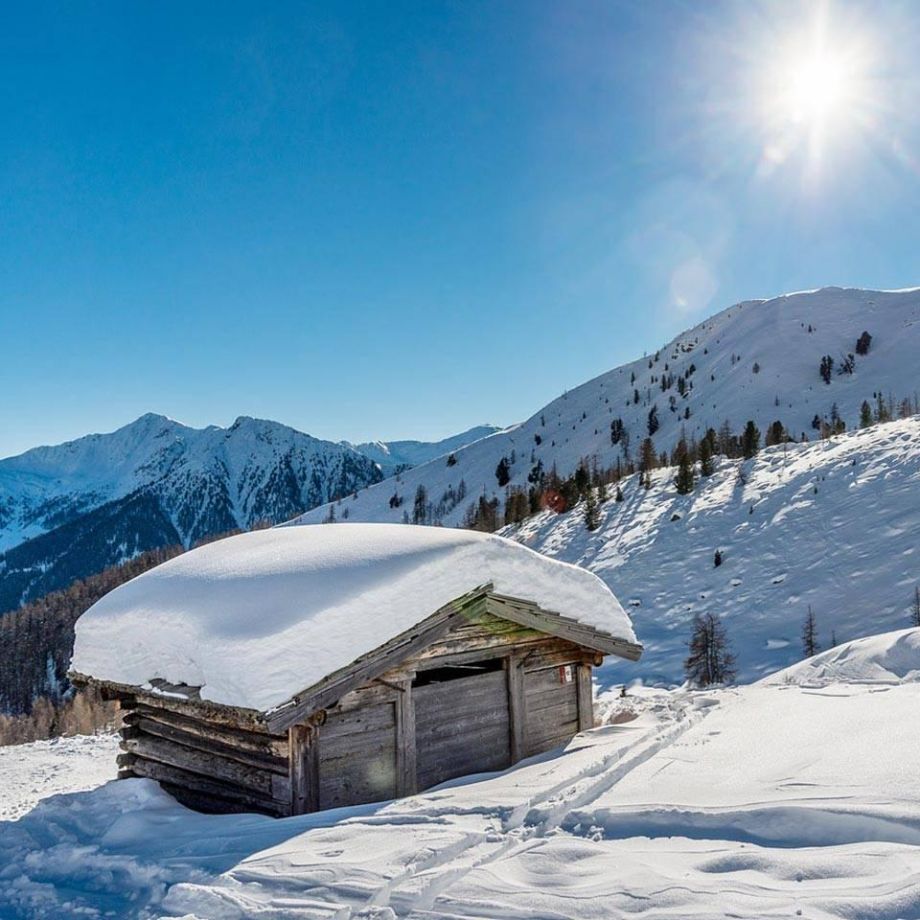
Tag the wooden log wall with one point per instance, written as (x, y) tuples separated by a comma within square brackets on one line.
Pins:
[(209, 766)]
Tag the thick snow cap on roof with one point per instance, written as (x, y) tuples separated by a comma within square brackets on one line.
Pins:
[(254, 619)]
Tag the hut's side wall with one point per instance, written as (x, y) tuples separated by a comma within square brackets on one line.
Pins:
[(209, 758)]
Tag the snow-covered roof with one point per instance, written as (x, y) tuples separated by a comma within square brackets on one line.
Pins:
[(256, 618)]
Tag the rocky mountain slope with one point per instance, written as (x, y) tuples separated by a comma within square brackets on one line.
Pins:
[(760, 360)]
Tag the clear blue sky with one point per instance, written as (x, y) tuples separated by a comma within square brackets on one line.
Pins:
[(400, 219)]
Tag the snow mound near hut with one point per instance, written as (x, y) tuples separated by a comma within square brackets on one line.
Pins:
[(259, 617), (888, 658)]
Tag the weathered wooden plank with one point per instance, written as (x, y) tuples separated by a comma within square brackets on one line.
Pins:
[(558, 625), (128, 696), (473, 727), (517, 711), (585, 697), (252, 779), (254, 741), (554, 676), (375, 783), (481, 638), (462, 726), (211, 803), (563, 712), (369, 718), (304, 768), (370, 695), (463, 760), (551, 656), (371, 744), (261, 760), (208, 787), (406, 764), (357, 778), (546, 725), (434, 712)]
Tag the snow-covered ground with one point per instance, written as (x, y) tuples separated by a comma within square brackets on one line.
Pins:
[(31, 772), (791, 797)]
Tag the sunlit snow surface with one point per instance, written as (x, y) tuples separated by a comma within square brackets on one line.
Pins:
[(796, 798)]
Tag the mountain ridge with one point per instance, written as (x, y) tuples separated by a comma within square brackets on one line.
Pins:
[(758, 359)]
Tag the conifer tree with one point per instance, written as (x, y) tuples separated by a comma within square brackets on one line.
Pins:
[(648, 459), (882, 413), (915, 608), (710, 660), (810, 645), (619, 495), (865, 414), (776, 434), (750, 440), (717, 559), (503, 472), (652, 420), (592, 512), (684, 480), (706, 463), (420, 505)]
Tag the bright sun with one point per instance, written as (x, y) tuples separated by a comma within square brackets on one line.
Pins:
[(817, 88), (815, 91)]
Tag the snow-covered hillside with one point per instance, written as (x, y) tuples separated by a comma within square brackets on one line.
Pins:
[(833, 524), (758, 801), (393, 456), (756, 360), (103, 498)]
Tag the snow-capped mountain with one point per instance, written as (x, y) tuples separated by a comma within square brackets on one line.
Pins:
[(833, 525), (207, 479), (70, 510), (760, 360)]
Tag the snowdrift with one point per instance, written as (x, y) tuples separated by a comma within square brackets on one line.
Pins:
[(889, 658)]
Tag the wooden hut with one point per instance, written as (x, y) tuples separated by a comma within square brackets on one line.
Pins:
[(306, 668)]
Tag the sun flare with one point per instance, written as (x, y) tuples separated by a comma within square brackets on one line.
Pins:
[(817, 88), (816, 91)]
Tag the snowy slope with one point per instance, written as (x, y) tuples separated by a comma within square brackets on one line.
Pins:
[(785, 338), (393, 456), (834, 524), (759, 801)]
